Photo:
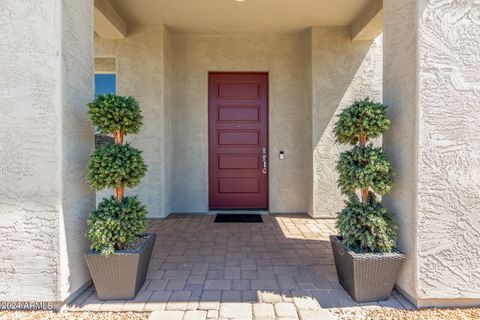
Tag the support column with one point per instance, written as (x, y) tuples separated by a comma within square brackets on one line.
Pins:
[(46, 78), (432, 85), (342, 71)]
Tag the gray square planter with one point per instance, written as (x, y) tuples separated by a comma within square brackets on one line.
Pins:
[(119, 276), (366, 277)]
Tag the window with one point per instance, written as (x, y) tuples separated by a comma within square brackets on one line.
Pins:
[(105, 83)]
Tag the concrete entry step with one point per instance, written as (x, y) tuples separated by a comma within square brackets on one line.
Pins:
[(240, 211)]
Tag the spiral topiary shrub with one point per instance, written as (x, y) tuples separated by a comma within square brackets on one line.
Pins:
[(365, 225), (119, 221)]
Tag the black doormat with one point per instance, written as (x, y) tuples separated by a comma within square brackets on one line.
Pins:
[(238, 218)]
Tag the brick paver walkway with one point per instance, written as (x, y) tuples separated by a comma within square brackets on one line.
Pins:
[(279, 269)]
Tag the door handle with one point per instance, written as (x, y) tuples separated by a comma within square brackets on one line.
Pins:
[(264, 158)]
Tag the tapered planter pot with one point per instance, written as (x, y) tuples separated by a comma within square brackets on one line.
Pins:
[(366, 277), (119, 276)]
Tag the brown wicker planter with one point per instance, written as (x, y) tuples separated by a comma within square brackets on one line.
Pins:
[(120, 275), (366, 277)]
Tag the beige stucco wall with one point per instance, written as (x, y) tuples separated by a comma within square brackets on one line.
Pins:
[(400, 141), (281, 56), (45, 81), (308, 93), (140, 73), (342, 71), (168, 105), (432, 76), (313, 75)]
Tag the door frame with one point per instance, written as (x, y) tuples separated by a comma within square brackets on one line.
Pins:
[(267, 74)]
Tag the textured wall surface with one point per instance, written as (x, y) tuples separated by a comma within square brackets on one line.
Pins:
[(283, 57), (448, 149), (342, 72), (432, 77), (173, 90), (45, 79), (400, 141), (169, 160), (77, 142), (308, 92), (140, 73)]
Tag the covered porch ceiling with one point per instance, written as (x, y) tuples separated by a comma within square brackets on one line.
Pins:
[(113, 17)]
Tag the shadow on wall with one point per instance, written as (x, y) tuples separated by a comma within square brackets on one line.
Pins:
[(195, 261), (344, 73)]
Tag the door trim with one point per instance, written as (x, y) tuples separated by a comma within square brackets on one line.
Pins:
[(267, 74)]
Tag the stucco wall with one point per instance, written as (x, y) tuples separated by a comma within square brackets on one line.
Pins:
[(283, 57), (77, 142), (140, 73), (312, 75), (342, 71), (45, 81), (449, 150), (168, 104), (308, 93), (434, 93), (400, 141)]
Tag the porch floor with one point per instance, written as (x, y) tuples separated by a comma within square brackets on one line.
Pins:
[(282, 268)]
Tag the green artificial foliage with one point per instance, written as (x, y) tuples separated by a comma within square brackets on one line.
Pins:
[(114, 166), (112, 113), (364, 117), (364, 168), (115, 225), (119, 221), (367, 227)]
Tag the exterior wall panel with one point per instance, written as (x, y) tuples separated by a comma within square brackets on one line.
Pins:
[(322, 64), (342, 71), (46, 77), (280, 55), (141, 73), (431, 82)]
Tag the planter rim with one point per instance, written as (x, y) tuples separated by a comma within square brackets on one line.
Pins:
[(148, 236), (367, 255)]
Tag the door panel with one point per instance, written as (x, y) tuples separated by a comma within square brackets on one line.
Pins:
[(239, 90), (239, 114), (238, 185), (238, 161), (238, 140)]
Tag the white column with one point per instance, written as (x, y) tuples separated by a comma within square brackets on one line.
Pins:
[(46, 78), (432, 84)]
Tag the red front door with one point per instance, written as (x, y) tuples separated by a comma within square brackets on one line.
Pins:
[(238, 140)]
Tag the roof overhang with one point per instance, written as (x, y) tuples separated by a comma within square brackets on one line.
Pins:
[(365, 17)]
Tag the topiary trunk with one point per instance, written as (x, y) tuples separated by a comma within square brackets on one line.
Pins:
[(362, 140), (119, 191)]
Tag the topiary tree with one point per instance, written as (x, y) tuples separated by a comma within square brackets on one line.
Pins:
[(119, 220), (365, 224)]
